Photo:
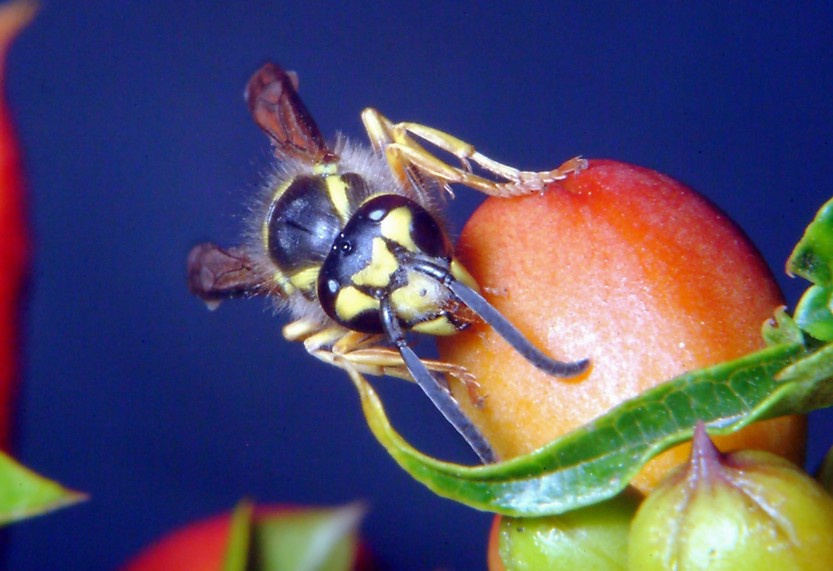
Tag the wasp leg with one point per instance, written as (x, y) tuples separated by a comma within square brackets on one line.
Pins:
[(390, 363), (303, 329), (386, 361), (361, 349), (404, 153), (336, 345), (379, 129), (518, 181), (434, 390), (384, 136)]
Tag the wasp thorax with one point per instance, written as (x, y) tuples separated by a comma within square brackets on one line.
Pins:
[(304, 219), (374, 257)]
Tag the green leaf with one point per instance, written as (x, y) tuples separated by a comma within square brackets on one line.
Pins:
[(240, 533), (598, 460), (813, 313), (814, 367), (812, 258), (301, 540), (781, 330), (25, 494)]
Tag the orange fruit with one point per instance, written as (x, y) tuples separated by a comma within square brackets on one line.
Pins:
[(625, 266)]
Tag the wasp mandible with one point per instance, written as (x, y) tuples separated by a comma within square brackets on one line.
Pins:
[(349, 240)]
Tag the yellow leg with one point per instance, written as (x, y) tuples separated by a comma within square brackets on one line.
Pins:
[(383, 135), (361, 350), (396, 140), (303, 329), (379, 129), (336, 345)]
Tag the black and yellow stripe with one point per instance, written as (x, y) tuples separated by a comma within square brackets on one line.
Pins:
[(303, 220)]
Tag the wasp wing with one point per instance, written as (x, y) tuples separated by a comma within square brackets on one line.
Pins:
[(272, 97), (215, 274)]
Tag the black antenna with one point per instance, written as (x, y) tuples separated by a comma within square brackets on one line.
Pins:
[(502, 326), (432, 387)]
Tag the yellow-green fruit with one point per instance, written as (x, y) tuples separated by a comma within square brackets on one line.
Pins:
[(746, 510), (589, 539)]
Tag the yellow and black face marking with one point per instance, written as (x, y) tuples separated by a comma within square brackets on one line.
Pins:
[(351, 246), (370, 260)]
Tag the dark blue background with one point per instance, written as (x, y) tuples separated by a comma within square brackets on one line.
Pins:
[(138, 145)]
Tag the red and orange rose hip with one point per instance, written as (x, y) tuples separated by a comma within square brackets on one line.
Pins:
[(629, 268)]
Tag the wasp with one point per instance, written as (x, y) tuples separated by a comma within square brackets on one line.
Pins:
[(351, 241)]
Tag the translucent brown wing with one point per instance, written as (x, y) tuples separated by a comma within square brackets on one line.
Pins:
[(215, 274), (277, 108)]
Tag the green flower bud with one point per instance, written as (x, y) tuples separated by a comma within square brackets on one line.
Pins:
[(746, 510)]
